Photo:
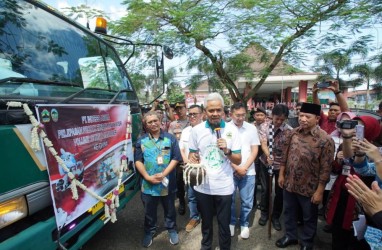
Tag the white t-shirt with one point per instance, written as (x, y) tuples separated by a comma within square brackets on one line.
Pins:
[(184, 139), (219, 173), (248, 137)]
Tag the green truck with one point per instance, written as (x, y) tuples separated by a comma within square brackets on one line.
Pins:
[(47, 58)]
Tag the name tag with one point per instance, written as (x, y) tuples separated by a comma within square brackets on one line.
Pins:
[(160, 160), (345, 170)]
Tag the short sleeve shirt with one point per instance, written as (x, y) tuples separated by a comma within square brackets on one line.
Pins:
[(219, 173), (249, 136), (184, 139), (147, 151)]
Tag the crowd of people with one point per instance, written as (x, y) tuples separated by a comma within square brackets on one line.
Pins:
[(320, 165)]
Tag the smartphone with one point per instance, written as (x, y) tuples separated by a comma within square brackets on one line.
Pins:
[(359, 132), (323, 85)]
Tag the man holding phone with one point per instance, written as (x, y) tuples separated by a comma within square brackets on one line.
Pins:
[(328, 122)]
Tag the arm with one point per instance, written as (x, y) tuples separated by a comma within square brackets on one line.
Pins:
[(169, 112), (315, 94), (340, 97), (155, 105), (242, 170), (142, 170)]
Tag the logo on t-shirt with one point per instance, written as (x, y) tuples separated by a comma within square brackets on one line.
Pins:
[(213, 157)]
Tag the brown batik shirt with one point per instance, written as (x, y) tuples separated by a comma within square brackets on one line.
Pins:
[(307, 159)]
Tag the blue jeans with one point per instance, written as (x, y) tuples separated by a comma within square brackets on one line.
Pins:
[(246, 186), (192, 204)]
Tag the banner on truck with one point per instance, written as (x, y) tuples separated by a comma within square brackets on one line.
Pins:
[(90, 139)]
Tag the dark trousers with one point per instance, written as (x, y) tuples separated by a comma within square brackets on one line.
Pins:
[(207, 205), (181, 192), (292, 201), (150, 205), (277, 206)]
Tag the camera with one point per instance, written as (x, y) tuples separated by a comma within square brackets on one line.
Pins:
[(347, 124), (323, 85), (161, 102)]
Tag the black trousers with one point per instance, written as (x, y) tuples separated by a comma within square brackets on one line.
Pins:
[(292, 201), (208, 204), (277, 206), (180, 186)]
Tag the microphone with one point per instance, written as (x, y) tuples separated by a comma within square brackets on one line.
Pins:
[(218, 133)]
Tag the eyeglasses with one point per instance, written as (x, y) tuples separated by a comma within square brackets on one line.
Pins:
[(193, 114)]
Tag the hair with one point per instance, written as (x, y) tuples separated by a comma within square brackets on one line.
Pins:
[(150, 113), (280, 109), (333, 104), (196, 106), (213, 97), (237, 105), (299, 104)]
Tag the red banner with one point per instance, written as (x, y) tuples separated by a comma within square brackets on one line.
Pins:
[(90, 139)]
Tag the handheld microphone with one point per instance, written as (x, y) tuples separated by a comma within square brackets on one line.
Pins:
[(218, 133)]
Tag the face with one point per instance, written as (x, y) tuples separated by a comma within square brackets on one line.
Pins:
[(298, 110), (160, 114), (214, 112), (278, 120), (181, 111), (238, 116), (259, 117), (194, 116), (152, 123), (334, 111), (307, 121)]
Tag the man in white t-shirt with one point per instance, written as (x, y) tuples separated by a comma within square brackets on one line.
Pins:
[(244, 175), (215, 144), (195, 115)]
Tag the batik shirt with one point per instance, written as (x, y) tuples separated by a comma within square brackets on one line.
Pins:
[(307, 158), (147, 151)]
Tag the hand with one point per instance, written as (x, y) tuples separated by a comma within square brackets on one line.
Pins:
[(314, 88), (369, 148), (194, 158), (371, 200), (317, 198), (155, 179), (356, 146), (166, 104), (281, 180), (346, 132), (269, 160), (222, 144), (239, 171), (334, 86), (340, 155)]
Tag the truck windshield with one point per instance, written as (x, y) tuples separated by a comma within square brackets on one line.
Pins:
[(34, 44)]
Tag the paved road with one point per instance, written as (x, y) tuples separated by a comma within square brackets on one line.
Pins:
[(127, 233)]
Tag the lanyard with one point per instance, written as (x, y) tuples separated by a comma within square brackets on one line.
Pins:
[(155, 143)]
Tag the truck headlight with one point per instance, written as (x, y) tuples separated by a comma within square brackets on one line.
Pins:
[(12, 210)]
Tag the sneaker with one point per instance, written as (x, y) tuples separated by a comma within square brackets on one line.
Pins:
[(244, 233), (174, 238), (147, 240), (232, 230), (191, 225), (263, 220)]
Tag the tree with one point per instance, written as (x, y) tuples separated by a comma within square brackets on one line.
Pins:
[(365, 73), (193, 26)]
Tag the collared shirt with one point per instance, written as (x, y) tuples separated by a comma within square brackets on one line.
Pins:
[(279, 141), (184, 139), (326, 124), (248, 137), (307, 158), (219, 173), (147, 150)]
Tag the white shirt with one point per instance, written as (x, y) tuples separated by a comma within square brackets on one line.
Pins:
[(184, 139), (249, 136), (219, 173)]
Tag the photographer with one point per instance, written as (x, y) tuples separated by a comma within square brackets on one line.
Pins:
[(328, 122), (366, 158), (166, 115)]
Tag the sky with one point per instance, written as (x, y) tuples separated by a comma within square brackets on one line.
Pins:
[(115, 10)]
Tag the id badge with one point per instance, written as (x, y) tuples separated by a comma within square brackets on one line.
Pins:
[(345, 170), (160, 160), (165, 181)]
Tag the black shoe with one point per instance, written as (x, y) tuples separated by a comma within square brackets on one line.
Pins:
[(182, 208), (306, 248), (328, 228), (285, 241), (276, 224), (321, 211), (263, 220)]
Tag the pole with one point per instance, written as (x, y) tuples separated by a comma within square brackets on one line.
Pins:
[(270, 179)]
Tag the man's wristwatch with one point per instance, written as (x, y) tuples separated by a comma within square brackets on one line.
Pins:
[(229, 152)]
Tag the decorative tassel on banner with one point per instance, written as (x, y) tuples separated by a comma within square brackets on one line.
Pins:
[(35, 144), (73, 187), (124, 162), (116, 200), (194, 174), (113, 213), (107, 211)]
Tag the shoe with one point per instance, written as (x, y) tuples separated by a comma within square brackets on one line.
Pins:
[(321, 211), (244, 233), (276, 224), (232, 230), (182, 208), (147, 240), (174, 238), (191, 225), (285, 241), (306, 248), (328, 228), (263, 220)]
